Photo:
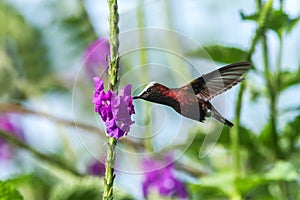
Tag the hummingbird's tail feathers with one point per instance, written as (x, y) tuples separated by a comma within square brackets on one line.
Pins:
[(215, 114), (228, 123)]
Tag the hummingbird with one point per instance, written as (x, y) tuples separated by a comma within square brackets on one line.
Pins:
[(192, 99)]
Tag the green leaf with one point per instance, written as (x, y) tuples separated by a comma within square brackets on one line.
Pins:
[(8, 191), (279, 20), (205, 192), (289, 78), (249, 182), (265, 136), (219, 53)]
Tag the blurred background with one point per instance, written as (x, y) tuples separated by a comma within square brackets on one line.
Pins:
[(52, 144)]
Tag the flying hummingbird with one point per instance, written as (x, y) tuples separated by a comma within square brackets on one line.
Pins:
[(192, 99)]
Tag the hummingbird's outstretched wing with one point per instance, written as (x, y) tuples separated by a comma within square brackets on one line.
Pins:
[(218, 81)]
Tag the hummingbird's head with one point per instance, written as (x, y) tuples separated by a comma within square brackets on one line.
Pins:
[(152, 92)]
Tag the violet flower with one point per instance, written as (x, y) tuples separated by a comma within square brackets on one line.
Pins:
[(95, 56), (161, 179), (114, 110), (7, 125), (96, 168)]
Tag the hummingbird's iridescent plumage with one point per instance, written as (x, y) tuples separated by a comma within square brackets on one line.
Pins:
[(192, 100)]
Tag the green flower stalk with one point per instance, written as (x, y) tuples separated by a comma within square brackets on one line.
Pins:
[(115, 110), (114, 43), (113, 79)]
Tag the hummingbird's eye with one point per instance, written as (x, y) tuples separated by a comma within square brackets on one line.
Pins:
[(148, 90)]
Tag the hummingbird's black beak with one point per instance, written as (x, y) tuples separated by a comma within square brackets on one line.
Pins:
[(136, 97)]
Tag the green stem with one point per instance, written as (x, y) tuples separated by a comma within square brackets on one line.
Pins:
[(279, 57), (235, 132), (50, 159), (114, 44), (109, 170), (113, 80), (142, 35), (178, 65), (258, 4), (271, 88), (143, 60)]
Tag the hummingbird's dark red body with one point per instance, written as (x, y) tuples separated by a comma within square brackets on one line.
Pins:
[(192, 100)]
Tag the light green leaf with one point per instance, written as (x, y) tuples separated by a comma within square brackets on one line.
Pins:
[(282, 171), (220, 184)]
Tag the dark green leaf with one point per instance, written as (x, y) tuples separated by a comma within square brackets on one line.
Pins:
[(249, 182), (291, 136), (252, 17), (265, 135), (219, 53), (8, 191), (279, 20), (205, 192), (265, 138)]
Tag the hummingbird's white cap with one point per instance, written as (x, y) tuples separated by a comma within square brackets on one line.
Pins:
[(148, 86)]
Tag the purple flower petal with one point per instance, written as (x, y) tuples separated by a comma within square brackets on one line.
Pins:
[(7, 125), (114, 110), (126, 91), (95, 57), (96, 168), (162, 180), (98, 85)]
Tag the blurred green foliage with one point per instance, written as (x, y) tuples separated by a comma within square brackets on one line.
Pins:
[(269, 164), (24, 45), (268, 168), (78, 28), (220, 53)]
